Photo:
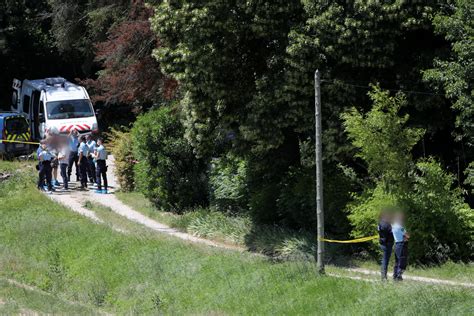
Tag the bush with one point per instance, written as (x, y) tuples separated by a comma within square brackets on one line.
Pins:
[(441, 225), (121, 148), (167, 172), (228, 184)]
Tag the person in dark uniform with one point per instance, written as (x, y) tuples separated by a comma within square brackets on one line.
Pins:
[(91, 171), (45, 170), (82, 162), (101, 168), (386, 242)]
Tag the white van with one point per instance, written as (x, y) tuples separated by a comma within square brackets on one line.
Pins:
[(54, 104)]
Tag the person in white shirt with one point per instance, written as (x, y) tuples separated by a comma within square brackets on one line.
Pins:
[(91, 171), (101, 168), (63, 158)]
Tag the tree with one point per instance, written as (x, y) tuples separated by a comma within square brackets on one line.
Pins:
[(130, 75), (456, 73)]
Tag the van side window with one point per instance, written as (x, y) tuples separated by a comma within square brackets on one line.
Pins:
[(26, 104)]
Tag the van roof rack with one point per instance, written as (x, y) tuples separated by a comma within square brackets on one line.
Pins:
[(55, 81)]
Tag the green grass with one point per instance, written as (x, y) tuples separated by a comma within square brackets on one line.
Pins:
[(15, 299), (49, 247), (276, 242)]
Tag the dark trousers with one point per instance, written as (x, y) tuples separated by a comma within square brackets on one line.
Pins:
[(401, 259), (387, 252), (63, 169), (84, 166), (91, 171), (45, 172), (101, 171), (73, 159)]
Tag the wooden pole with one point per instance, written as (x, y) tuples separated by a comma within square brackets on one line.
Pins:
[(319, 173)]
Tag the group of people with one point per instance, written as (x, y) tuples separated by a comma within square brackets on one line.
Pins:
[(392, 233), (84, 153)]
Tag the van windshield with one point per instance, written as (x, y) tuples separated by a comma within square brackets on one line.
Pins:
[(17, 125), (67, 109)]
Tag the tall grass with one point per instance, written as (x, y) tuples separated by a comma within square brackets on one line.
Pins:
[(48, 246)]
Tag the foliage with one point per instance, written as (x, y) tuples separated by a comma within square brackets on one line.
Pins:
[(455, 72), (228, 184), (382, 137), (130, 75), (167, 172), (439, 222), (121, 148), (441, 225)]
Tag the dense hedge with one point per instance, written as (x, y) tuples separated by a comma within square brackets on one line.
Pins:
[(167, 171)]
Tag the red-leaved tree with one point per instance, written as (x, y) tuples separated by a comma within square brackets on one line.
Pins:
[(130, 74)]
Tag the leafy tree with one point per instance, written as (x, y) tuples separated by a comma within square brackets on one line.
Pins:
[(456, 73), (440, 222), (130, 75), (382, 138)]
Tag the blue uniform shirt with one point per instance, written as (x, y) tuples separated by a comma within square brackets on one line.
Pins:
[(73, 143), (101, 153), (84, 149), (398, 232), (45, 155), (92, 145)]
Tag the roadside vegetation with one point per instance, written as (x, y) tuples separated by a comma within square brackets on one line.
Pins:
[(55, 250)]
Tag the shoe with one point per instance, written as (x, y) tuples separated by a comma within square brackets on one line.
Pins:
[(98, 191), (56, 183), (49, 192), (105, 192)]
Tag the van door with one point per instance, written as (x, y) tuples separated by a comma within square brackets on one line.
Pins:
[(34, 112), (41, 119)]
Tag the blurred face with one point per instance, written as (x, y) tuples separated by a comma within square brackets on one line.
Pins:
[(43, 146), (99, 142), (75, 132)]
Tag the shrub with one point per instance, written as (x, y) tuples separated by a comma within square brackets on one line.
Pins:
[(441, 225), (121, 148), (228, 184), (167, 172)]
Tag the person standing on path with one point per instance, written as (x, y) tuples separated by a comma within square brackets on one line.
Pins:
[(82, 162), (101, 170), (91, 171), (45, 171), (401, 246), (73, 156), (386, 242), (63, 158)]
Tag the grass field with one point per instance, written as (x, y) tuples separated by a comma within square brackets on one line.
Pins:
[(215, 227), (49, 247)]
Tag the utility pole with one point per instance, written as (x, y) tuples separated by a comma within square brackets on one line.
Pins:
[(319, 173)]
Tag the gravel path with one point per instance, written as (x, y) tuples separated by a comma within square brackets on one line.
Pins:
[(76, 199)]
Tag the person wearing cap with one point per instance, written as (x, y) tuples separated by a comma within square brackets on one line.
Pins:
[(101, 169), (73, 155), (45, 171), (82, 162), (91, 170)]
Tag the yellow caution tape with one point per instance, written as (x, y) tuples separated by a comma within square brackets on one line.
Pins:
[(17, 141), (363, 239)]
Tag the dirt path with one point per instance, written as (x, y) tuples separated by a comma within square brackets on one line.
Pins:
[(75, 201)]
